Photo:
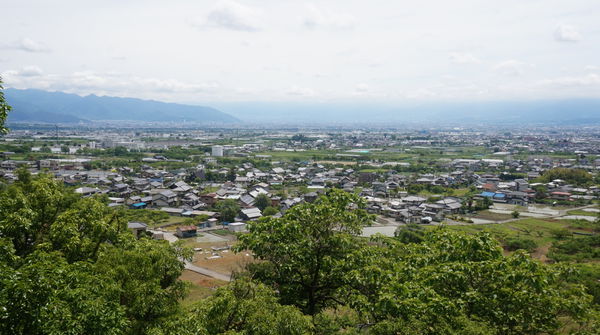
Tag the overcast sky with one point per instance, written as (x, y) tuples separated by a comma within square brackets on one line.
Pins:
[(286, 50)]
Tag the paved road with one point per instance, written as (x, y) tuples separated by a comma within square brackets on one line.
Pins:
[(206, 272), (189, 266)]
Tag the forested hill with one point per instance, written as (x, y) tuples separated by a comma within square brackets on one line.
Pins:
[(32, 105)]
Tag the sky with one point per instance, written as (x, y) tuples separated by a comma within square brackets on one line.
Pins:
[(298, 51)]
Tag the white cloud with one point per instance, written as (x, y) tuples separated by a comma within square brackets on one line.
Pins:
[(566, 33), (316, 18), (228, 14), (27, 71), (26, 44), (111, 83), (300, 91), (362, 88), (30, 71), (511, 67), (591, 79), (120, 82), (175, 86), (592, 68), (463, 58)]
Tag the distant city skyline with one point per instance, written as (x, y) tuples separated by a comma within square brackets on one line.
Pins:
[(300, 51)]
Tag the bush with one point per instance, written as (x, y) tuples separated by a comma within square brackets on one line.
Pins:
[(561, 234), (578, 249), (521, 243), (410, 233), (270, 211)]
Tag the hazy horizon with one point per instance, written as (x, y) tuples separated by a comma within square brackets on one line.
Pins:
[(332, 52)]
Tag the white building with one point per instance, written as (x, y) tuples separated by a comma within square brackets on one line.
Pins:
[(236, 226), (217, 151)]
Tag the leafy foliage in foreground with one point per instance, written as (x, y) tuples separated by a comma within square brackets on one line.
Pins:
[(308, 250), (68, 265), (243, 307), (445, 283), (4, 109)]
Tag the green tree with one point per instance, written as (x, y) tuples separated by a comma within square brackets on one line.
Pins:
[(152, 217), (262, 201), (572, 176), (305, 252), (453, 282), (270, 211), (242, 307), (42, 293), (561, 233), (68, 265), (521, 243), (120, 151), (231, 175), (4, 109), (228, 209), (411, 233), (150, 289), (515, 214), (541, 191), (486, 203)]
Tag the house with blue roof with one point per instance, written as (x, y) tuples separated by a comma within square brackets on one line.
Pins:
[(494, 196)]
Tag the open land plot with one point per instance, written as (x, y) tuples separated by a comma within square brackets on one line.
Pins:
[(200, 286), (228, 262), (539, 230)]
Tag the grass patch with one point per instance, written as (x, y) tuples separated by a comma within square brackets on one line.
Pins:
[(539, 230), (487, 215), (221, 232), (200, 286), (581, 213)]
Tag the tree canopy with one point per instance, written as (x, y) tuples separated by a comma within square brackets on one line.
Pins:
[(306, 250), (4, 109), (69, 266), (421, 282), (262, 201), (571, 176), (228, 209)]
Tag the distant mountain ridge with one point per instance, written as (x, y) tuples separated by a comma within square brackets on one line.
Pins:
[(32, 105), (576, 111)]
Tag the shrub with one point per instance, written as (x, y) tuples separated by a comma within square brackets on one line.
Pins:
[(521, 243), (561, 234)]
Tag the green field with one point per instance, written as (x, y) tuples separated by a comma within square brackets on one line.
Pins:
[(580, 212), (539, 230)]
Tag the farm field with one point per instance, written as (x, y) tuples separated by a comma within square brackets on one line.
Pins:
[(543, 231)]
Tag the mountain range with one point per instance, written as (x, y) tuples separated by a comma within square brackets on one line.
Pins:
[(520, 112), (32, 105)]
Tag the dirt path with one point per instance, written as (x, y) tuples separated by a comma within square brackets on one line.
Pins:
[(541, 253)]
